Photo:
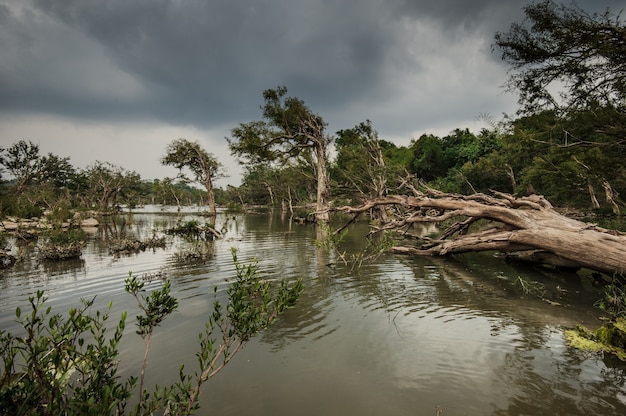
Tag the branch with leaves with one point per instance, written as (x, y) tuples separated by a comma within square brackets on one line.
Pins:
[(69, 365)]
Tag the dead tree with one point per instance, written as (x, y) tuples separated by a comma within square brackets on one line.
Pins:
[(526, 228)]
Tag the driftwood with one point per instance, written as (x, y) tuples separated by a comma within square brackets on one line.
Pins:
[(526, 228)]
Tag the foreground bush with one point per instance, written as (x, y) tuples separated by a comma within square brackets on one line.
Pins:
[(68, 365)]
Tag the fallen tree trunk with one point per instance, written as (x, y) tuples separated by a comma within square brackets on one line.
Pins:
[(526, 228)]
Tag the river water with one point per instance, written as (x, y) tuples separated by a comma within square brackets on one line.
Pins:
[(396, 336)]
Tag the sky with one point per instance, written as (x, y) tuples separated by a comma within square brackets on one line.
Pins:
[(117, 80)]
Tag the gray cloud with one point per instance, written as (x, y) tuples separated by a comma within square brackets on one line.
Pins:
[(408, 65), (202, 60)]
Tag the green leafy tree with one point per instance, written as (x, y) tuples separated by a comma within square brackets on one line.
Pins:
[(570, 159), (289, 131), (563, 44), (260, 183), (39, 181), (167, 192), (428, 158), (22, 161), (569, 67), (361, 167), (204, 166), (107, 185)]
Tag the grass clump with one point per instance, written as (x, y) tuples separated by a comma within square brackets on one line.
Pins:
[(610, 337)]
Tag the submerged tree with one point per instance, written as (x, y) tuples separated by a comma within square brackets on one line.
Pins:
[(205, 168), (108, 184), (289, 130)]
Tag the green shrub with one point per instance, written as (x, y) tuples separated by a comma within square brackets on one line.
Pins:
[(63, 244), (119, 246), (194, 229), (60, 215), (612, 222), (66, 236), (614, 300), (10, 206), (69, 365)]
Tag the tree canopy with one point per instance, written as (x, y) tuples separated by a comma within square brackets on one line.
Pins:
[(583, 55), (288, 133), (204, 166)]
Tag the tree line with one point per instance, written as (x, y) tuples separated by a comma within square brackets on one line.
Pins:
[(568, 146), (50, 183)]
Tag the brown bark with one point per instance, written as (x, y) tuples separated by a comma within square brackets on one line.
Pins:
[(321, 212), (208, 184), (527, 226)]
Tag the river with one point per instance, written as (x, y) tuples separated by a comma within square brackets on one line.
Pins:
[(398, 335)]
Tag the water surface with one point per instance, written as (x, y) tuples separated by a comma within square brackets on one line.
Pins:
[(398, 336)]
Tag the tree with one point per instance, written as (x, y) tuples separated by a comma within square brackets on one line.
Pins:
[(55, 171), (204, 167), (167, 191), (582, 56), (563, 45), (360, 163), (259, 183), (428, 158), (22, 162), (289, 130), (108, 183), (39, 180)]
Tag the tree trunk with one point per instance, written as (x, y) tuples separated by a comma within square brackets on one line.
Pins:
[(610, 197), (208, 184), (321, 211), (290, 200), (529, 227), (270, 191), (592, 194), (511, 176)]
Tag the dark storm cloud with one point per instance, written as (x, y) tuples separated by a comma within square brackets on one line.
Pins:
[(206, 62)]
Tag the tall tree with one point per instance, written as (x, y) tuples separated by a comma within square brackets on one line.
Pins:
[(361, 165), (204, 166), (108, 183), (562, 45), (22, 161), (289, 130), (428, 158), (582, 57)]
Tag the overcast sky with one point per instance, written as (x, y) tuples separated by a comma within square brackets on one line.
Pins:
[(117, 80)]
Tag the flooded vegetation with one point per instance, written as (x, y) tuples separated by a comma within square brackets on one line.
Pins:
[(398, 335)]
